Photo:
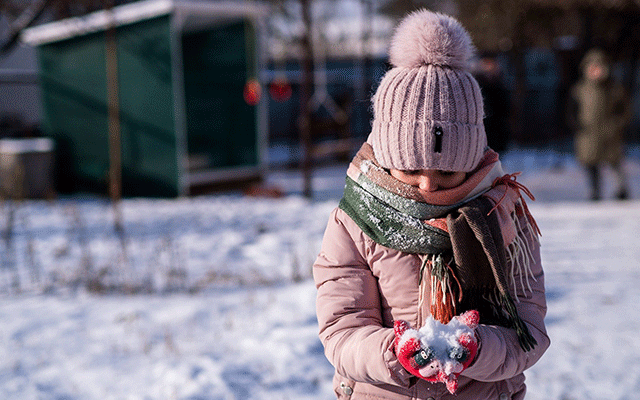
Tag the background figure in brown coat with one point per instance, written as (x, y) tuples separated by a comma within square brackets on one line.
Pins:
[(601, 113)]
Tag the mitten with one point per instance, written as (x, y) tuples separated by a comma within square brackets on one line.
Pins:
[(438, 352)]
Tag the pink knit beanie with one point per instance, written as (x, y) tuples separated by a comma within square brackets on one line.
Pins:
[(428, 108)]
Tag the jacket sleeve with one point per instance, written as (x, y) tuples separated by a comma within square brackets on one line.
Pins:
[(349, 310), (500, 355)]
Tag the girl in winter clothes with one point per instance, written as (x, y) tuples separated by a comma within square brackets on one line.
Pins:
[(429, 280)]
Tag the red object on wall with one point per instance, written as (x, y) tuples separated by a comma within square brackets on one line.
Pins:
[(252, 92), (280, 90)]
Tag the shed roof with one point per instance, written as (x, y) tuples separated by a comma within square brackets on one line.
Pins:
[(132, 13)]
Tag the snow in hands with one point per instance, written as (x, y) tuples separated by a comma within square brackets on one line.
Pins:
[(438, 352)]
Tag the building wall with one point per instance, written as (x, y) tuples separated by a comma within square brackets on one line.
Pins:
[(19, 98)]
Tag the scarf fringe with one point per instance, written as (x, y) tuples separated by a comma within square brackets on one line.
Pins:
[(505, 314), (519, 255), (443, 294), (525, 338), (510, 182)]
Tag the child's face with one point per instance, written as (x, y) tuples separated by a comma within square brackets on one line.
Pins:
[(430, 180)]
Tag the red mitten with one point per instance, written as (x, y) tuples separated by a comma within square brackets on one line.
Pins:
[(438, 352)]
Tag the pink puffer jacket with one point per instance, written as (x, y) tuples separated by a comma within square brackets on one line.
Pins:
[(363, 287)]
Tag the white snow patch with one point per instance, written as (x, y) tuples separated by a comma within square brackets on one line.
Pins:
[(253, 341)]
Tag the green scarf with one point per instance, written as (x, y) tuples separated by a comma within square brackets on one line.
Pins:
[(400, 226), (466, 262)]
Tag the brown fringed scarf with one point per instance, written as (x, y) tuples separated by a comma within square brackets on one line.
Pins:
[(459, 237)]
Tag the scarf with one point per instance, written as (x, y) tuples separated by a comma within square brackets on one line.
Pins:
[(458, 232)]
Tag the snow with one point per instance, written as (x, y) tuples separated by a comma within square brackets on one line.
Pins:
[(21, 146), (229, 309), (134, 12), (440, 339)]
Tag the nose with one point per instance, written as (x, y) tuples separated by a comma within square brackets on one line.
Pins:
[(428, 183)]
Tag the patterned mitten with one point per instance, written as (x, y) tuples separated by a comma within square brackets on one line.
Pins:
[(438, 352)]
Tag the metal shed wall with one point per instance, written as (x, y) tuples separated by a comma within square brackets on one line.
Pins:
[(183, 120)]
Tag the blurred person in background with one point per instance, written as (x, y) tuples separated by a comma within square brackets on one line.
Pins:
[(496, 102), (599, 116)]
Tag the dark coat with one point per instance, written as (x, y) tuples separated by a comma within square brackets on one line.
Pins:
[(601, 114)]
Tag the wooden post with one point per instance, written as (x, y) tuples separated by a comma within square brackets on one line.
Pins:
[(305, 96), (113, 118)]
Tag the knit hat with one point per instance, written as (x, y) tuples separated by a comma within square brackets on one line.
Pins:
[(428, 108)]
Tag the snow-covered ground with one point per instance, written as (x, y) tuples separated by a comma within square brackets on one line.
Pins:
[(231, 310)]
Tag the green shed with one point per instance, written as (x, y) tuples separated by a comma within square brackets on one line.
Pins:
[(185, 117)]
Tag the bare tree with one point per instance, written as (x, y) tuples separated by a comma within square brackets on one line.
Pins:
[(22, 14), (304, 43)]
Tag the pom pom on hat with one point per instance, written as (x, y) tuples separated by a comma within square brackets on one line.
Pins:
[(428, 38)]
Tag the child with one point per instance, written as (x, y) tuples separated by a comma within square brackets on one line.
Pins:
[(430, 237)]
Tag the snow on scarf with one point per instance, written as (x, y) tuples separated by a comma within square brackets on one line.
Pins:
[(459, 232)]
